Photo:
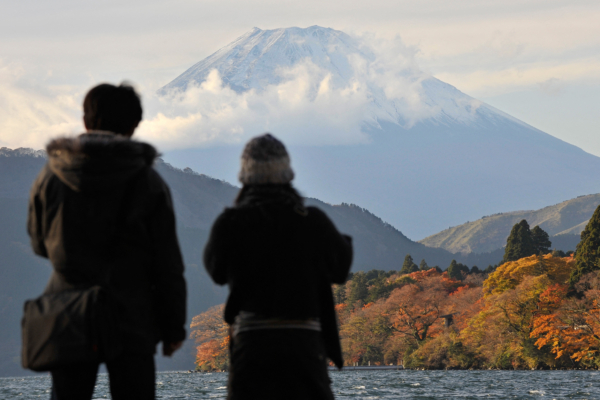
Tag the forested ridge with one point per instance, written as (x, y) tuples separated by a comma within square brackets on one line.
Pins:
[(539, 309), (198, 200)]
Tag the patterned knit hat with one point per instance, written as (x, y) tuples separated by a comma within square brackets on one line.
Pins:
[(265, 160)]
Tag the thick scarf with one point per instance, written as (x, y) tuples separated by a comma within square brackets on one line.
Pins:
[(263, 195)]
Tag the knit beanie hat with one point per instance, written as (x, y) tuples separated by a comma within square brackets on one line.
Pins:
[(265, 160)]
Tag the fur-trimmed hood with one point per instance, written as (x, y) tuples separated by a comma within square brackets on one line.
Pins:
[(98, 160)]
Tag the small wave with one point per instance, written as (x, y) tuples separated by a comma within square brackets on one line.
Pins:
[(541, 393), (222, 387), (358, 387), (415, 384)]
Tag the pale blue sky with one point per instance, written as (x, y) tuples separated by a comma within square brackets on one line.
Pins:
[(538, 60)]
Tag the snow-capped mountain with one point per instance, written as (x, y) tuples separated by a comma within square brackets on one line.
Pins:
[(261, 58), (436, 157)]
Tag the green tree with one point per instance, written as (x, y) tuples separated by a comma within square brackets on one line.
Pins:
[(455, 270), (339, 294), (541, 240), (358, 288), (408, 266), (587, 254), (519, 243), (490, 268), (379, 289), (423, 265), (475, 270), (558, 253)]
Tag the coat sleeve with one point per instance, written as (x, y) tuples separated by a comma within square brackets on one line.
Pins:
[(169, 281), (35, 217), (217, 250), (335, 247)]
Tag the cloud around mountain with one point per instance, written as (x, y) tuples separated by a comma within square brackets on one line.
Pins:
[(310, 101), (313, 86)]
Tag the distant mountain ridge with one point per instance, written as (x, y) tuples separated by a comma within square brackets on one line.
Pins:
[(198, 199), (435, 157), (489, 233)]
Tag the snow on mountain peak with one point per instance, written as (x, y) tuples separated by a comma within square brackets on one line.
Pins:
[(310, 81)]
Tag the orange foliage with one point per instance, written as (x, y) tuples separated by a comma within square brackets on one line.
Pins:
[(570, 326), (421, 275), (508, 275), (415, 308), (211, 333), (521, 316), (213, 355)]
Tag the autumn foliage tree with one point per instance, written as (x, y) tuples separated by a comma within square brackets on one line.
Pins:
[(570, 325), (522, 315), (211, 334)]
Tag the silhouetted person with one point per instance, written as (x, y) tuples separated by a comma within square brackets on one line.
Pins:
[(279, 259), (103, 215)]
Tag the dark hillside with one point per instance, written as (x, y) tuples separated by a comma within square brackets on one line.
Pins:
[(198, 200)]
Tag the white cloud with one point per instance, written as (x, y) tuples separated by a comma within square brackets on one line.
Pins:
[(552, 87), (31, 113), (486, 82), (307, 106), (301, 110)]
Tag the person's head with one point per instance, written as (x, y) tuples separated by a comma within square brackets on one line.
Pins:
[(112, 108), (265, 161)]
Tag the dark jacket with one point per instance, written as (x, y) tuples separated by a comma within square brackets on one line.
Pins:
[(280, 261), (103, 215)]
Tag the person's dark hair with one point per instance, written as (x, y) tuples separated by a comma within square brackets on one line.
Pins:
[(112, 108)]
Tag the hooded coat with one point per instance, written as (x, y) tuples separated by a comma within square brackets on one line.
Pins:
[(103, 215)]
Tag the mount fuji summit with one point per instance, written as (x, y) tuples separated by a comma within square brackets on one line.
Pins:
[(427, 155)]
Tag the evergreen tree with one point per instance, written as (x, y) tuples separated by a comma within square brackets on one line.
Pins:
[(358, 288), (455, 270), (541, 240), (587, 254), (558, 253), (519, 243), (408, 266), (490, 268), (423, 265), (475, 270), (339, 294)]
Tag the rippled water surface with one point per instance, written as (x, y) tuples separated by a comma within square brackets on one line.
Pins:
[(364, 385)]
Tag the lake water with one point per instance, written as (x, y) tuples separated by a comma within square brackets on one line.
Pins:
[(364, 385)]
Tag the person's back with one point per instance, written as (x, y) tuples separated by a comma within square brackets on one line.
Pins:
[(103, 216), (281, 254), (279, 259)]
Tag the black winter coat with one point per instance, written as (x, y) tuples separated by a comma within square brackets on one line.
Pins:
[(103, 215), (280, 262)]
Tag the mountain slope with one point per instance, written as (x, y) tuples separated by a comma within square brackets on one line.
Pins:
[(198, 200), (435, 157), (489, 233)]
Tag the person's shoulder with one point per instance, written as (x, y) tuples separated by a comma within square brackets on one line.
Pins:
[(226, 218), (316, 213), (317, 216), (44, 178), (154, 180)]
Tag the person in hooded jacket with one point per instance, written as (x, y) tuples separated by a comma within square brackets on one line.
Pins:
[(279, 259), (103, 215)]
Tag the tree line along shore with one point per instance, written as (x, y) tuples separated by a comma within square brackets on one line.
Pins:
[(537, 309)]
